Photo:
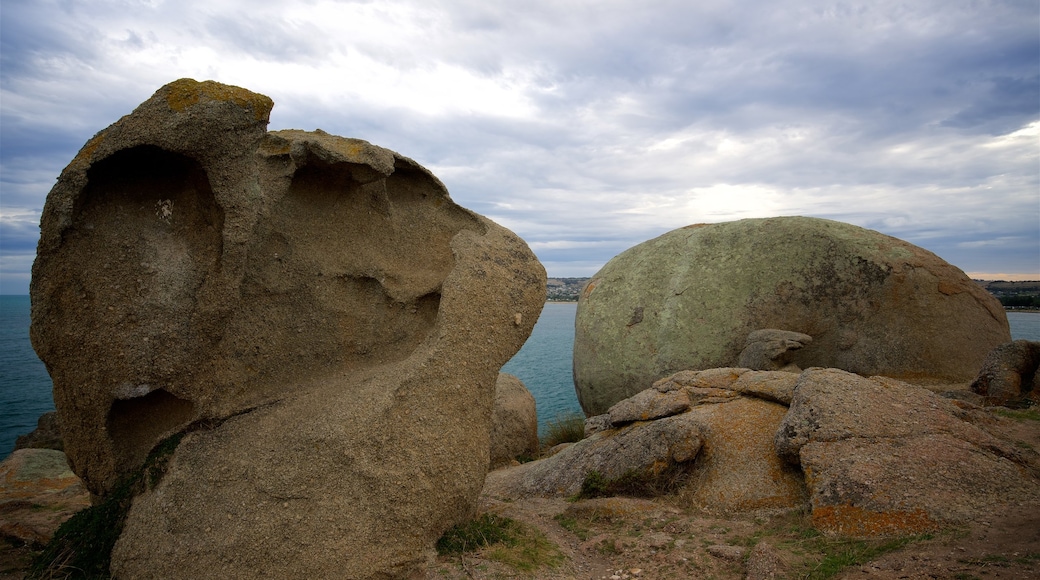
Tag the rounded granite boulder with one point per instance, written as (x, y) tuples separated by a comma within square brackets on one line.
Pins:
[(873, 305)]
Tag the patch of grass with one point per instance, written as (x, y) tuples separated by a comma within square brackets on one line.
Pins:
[(631, 483), (485, 530), (608, 546), (571, 525), (531, 551), (504, 540), (565, 428), (82, 546), (1031, 414), (840, 553), (819, 556), (1003, 561)]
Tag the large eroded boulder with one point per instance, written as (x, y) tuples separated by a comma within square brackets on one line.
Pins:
[(873, 305), (316, 312)]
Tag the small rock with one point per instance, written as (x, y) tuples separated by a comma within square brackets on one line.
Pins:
[(724, 552), (770, 349), (764, 563)]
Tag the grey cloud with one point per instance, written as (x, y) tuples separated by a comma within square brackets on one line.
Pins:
[(268, 39), (894, 101)]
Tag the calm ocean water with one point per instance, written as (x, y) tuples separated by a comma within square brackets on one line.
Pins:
[(543, 364)]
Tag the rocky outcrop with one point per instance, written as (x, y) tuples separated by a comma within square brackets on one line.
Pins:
[(1010, 372), (872, 457), (873, 305), (770, 349), (884, 457), (47, 434), (514, 426), (316, 312), (38, 492), (705, 435)]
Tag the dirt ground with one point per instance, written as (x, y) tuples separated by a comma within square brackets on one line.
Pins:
[(624, 539), (634, 538)]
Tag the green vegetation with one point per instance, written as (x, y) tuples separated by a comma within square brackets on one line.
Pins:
[(631, 483), (1032, 414), (822, 556), (1002, 561), (1020, 301), (82, 546), (565, 428), (503, 540), (1014, 295), (573, 526), (475, 534), (840, 553)]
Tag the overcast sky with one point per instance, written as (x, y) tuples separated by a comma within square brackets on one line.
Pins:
[(585, 127)]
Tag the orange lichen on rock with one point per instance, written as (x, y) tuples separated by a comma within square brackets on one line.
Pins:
[(85, 153), (854, 521), (184, 93)]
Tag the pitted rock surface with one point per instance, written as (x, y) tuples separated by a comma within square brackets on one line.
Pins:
[(695, 431), (316, 311), (687, 300), (1009, 372), (882, 457), (38, 492), (771, 349), (514, 426)]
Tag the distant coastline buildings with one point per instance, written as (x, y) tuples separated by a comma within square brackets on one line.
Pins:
[(1013, 295)]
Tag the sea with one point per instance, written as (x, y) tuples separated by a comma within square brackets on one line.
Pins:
[(543, 364)]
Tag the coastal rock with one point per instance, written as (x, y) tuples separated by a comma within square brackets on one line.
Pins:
[(739, 469), (1010, 372), (770, 349), (884, 457), (648, 405), (689, 434), (514, 426), (47, 434), (315, 312), (644, 450), (687, 300), (38, 492)]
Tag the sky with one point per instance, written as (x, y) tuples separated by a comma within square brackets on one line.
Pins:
[(585, 127)]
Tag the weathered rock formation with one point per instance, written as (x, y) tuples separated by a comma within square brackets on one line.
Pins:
[(873, 305), (38, 492), (514, 426), (770, 349), (1010, 372), (707, 435), (47, 434), (872, 456), (315, 311), (885, 457)]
